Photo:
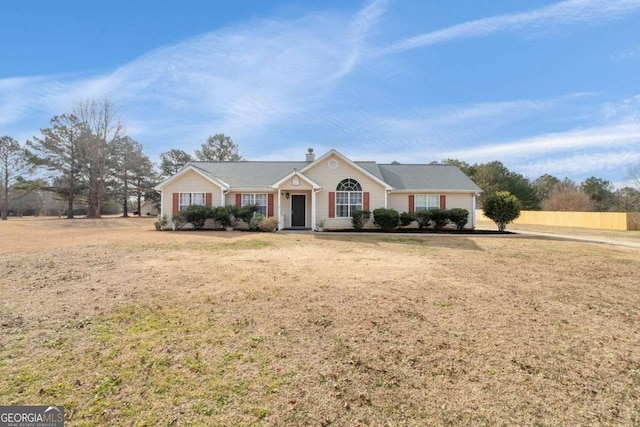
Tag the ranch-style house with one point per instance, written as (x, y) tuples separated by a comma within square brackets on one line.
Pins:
[(326, 190)]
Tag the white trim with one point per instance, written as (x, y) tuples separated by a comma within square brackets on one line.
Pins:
[(350, 162), (297, 173), (184, 170)]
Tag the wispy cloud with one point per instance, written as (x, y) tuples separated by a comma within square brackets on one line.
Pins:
[(563, 14), (626, 54), (607, 136)]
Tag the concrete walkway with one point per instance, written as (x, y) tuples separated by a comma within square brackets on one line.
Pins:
[(592, 239)]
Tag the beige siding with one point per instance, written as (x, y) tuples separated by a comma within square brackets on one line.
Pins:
[(190, 182), (329, 179), (400, 202)]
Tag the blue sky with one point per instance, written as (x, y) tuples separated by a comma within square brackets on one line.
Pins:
[(543, 86)]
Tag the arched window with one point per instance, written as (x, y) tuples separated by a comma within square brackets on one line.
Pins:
[(348, 197)]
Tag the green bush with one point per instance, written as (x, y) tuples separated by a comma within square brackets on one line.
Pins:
[(245, 213), (502, 207), (386, 219), (196, 215), (406, 218), (440, 218), (225, 215), (268, 224), (359, 219), (423, 218), (458, 216)]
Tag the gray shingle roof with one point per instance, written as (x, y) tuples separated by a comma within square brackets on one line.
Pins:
[(428, 177), (261, 174), (249, 174)]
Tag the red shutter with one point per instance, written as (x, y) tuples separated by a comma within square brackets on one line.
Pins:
[(365, 204), (443, 202), (207, 199), (412, 203), (238, 200), (332, 204), (270, 205), (176, 203)]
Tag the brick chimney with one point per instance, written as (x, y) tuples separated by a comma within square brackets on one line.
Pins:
[(310, 156)]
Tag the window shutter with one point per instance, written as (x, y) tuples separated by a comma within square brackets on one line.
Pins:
[(443, 202), (176, 203), (332, 204), (207, 199), (270, 205), (365, 204), (238, 200), (412, 203)]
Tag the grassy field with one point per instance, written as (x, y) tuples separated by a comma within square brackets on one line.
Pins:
[(128, 326)]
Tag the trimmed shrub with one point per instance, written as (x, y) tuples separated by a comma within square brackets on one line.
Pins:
[(386, 219), (440, 218), (268, 224), (459, 217), (359, 219), (502, 207), (196, 215), (245, 213), (225, 215), (423, 218), (406, 218)]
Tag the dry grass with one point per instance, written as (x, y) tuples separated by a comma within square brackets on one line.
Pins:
[(128, 326)]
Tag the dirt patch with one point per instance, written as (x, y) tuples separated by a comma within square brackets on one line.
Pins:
[(128, 326)]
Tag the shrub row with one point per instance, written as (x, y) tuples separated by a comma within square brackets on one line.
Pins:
[(225, 216), (390, 219)]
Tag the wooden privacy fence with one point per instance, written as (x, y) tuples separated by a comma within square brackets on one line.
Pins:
[(598, 220)]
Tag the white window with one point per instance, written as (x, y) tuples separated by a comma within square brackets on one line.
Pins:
[(348, 198), (260, 200), (425, 202), (188, 199)]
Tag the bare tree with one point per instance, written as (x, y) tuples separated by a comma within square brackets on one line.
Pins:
[(13, 164), (101, 117), (567, 196)]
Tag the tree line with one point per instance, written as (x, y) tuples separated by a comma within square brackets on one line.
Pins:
[(551, 193), (85, 162)]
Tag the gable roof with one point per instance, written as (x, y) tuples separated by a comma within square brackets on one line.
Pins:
[(368, 168), (190, 167), (427, 177)]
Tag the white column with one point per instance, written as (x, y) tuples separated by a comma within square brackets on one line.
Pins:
[(313, 209), (473, 211), (223, 201), (279, 211)]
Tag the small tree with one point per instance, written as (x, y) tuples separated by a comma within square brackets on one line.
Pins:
[(459, 217), (359, 219), (386, 219), (502, 207)]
